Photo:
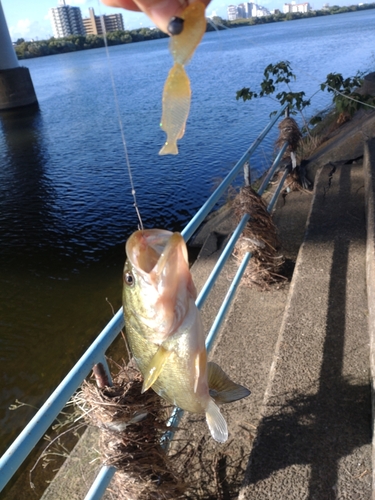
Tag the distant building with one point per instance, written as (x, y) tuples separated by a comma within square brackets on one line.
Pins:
[(98, 25), (66, 20), (232, 12), (213, 14), (246, 11), (259, 11), (296, 7)]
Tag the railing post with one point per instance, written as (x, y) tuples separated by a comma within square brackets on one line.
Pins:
[(247, 173), (102, 374)]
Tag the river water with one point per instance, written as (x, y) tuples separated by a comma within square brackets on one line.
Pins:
[(65, 203)]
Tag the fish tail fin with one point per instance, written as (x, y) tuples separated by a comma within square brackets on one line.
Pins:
[(169, 148), (222, 388), (216, 422)]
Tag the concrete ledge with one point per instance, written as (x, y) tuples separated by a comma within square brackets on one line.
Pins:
[(345, 143), (76, 475), (369, 173), (16, 88)]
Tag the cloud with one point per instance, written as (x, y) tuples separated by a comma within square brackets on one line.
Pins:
[(21, 30), (24, 25), (27, 29)]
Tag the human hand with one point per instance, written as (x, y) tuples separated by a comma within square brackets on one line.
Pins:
[(159, 11)]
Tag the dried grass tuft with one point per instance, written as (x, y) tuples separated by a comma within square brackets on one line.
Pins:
[(298, 147), (259, 238), (131, 426), (296, 180), (289, 132), (308, 145)]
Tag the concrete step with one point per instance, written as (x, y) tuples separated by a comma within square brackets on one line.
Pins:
[(314, 436)]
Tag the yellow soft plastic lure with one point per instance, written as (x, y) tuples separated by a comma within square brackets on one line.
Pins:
[(177, 93)]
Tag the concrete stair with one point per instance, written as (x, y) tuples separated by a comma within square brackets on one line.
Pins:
[(314, 435)]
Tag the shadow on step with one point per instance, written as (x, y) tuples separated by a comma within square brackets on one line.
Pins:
[(317, 431), (329, 423)]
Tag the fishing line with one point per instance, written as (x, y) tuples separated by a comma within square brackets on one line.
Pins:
[(121, 126)]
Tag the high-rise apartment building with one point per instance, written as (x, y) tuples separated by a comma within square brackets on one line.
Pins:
[(232, 11), (296, 7), (66, 20), (246, 11), (98, 25)]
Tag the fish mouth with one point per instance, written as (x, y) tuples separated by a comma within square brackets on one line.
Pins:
[(145, 247), (160, 259)]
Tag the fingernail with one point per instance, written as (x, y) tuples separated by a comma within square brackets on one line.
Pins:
[(161, 11)]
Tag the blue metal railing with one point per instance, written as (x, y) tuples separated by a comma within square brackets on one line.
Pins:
[(25, 442)]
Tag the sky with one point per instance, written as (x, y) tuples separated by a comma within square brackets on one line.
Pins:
[(29, 19)]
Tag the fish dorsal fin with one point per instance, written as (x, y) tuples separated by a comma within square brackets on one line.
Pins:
[(216, 422), (222, 389), (155, 367)]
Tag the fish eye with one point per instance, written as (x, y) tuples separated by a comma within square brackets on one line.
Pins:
[(129, 279)]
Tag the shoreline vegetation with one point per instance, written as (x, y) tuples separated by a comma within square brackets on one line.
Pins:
[(73, 43)]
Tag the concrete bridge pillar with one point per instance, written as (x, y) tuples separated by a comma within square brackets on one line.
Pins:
[(16, 86)]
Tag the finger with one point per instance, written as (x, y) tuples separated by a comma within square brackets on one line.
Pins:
[(159, 11), (124, 4)]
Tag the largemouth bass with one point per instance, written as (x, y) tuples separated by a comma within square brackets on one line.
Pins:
[(164, 329)]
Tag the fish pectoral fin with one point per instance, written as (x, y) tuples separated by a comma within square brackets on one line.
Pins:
[(216, 422), (222, 388), (199, 367), (155, 367)]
